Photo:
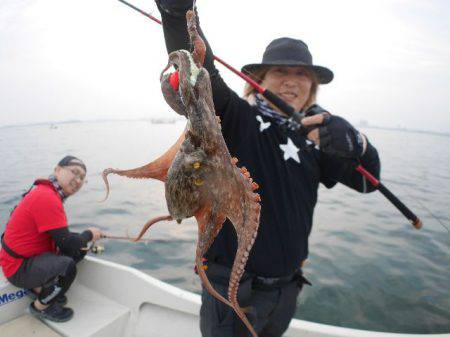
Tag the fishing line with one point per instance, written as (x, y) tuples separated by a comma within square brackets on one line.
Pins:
[(422, 205), (432, 215), (124, 238), (427, 210)]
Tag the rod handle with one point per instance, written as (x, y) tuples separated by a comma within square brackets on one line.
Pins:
[(415, 221)]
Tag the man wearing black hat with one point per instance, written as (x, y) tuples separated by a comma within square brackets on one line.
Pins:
[(38, 251), (287, 170)]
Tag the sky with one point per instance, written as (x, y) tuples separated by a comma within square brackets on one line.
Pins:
[(98, 59)]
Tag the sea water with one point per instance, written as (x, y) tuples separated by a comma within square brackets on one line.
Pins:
[(370, 269)]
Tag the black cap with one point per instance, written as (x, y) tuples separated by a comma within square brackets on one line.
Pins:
[(290, 52), (72, 161)]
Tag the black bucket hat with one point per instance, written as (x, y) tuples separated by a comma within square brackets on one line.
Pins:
[(290, 52)]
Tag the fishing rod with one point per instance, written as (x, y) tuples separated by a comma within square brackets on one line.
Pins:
[(115, 237), (274, 99), (298, 116)]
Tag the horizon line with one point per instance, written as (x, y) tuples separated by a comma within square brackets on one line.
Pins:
[(180, 118)]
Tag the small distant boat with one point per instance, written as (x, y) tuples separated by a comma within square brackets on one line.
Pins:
[(163, 120), (113, 300), (53, 126)]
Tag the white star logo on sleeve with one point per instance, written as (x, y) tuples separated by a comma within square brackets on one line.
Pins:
[(290, 151), (262, 125)]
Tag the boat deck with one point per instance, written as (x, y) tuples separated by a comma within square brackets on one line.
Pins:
[(27, 326), (94, 315)]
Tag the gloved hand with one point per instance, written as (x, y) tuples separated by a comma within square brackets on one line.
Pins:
[(338, 137), (175, 7), (335, 135)]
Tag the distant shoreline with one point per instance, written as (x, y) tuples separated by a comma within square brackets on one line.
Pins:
[(387, 128), (169, 120), (155, 120)]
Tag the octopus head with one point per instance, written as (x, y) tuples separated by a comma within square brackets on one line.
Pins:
[(186, 184)]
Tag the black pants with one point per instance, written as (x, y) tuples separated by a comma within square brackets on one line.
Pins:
[(272, 309), (49, 271)]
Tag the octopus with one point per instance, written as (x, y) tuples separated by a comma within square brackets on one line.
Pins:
[(201, 179)]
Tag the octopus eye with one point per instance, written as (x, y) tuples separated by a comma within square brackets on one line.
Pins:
[(198, 182), (196, 165)]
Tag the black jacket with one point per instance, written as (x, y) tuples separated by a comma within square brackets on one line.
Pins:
[(288, 178)]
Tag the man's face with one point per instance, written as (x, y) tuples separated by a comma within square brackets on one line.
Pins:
[(291, 84), (70, 178)]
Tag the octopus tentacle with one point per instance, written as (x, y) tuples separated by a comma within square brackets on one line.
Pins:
[(150, 223), (171, 95), (199, 45), (246, 230), (208, 228), (181, 60), (245, 218), (157, 169)]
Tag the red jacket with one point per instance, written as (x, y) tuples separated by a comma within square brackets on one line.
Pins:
[(39, 211)]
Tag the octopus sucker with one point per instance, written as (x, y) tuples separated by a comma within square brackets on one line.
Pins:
[(201, 178)]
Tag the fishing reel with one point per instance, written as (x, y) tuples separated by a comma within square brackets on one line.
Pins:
[(97, 249), (94, 248)]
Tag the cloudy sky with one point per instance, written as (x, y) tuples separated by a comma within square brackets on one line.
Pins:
[(98, 59)]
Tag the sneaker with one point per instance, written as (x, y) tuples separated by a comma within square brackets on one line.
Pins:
[(55, 313), (62, 301)]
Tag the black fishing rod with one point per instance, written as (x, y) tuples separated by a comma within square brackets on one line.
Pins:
[(298, 116)]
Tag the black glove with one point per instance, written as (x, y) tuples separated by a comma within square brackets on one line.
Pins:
[(175, 7), (338, 137)]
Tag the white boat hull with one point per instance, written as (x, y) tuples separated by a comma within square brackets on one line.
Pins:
[(113, 300)]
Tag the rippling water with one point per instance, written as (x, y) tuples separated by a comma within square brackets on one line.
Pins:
[(369, 268)]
